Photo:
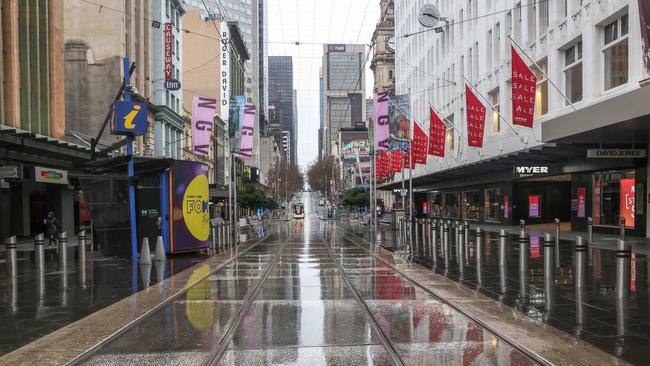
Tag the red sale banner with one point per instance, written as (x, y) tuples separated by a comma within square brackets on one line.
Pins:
[(420, 142), (475, 118), (396, 161), (524, 82), (408, 159), (385, 164), (627, 201), (437, 134)]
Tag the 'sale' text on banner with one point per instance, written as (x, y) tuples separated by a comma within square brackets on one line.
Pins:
[(419, 144), (437, 133), (524, 82), (475, 118)]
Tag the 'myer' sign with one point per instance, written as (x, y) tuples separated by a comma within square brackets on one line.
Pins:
[(531, 171)]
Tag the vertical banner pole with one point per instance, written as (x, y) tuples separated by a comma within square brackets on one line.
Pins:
[(411, 126), (131, 169), (374, 208)]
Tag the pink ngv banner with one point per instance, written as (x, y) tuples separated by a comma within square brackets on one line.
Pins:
[(202, 121), (247, 130), (382, 133)]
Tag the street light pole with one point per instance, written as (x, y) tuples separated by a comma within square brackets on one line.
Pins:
[(131, 169)]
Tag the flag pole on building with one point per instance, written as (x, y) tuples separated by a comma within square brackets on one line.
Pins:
[(543, 73)]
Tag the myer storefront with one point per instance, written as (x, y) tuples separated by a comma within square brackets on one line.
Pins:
[(567, 182)]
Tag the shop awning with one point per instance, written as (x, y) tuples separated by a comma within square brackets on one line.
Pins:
[(21, 145), (497, 168), (622, 119)]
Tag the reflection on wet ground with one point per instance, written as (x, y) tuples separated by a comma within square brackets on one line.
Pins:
[(597, 294), (306, 295), (37, 303)]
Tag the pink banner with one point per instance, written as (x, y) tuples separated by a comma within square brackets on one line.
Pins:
[(247, 129), (382, 133), (203, 110)]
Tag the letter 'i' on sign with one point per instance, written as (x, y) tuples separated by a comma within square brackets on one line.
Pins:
[(475, 118), (203, 110), (524, 83), (129, 118)]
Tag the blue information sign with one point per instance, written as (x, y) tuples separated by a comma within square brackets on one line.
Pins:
[(129, 118)]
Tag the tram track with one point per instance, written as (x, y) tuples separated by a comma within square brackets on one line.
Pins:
[(86, 355), (386, 342), (216, 355), (355, 238)]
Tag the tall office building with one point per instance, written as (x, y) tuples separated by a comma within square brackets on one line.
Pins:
[(343, 91), (282, 98), (247, 15)]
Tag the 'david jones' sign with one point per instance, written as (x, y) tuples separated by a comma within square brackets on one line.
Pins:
[(129, 118)]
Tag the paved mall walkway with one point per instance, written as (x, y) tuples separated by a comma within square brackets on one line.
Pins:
[(311, 293)]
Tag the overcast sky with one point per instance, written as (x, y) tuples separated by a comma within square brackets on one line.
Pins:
[(312, 23)]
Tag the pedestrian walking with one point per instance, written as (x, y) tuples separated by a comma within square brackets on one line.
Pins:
[(52, 226)]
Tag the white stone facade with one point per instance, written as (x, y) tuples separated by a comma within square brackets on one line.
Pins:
[(431, 65)]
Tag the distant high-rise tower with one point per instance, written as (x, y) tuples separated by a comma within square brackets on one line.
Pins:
[(282, 98), (343, 91)]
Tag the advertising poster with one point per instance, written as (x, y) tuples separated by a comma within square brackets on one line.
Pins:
[(627, 200), (506, 207), (190, 219), (533, 206), (582, 202), (235, 118), (399, 122), (534, 247)]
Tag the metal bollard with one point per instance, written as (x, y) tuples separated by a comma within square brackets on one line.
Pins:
[(418, 225), (445, 245), (479, 256), (524, 247), (557, 243), (12, 258), (213, 232), (580, 262), (522, 228), (580, 273), (39, 252), (623, 255), (224, 234), (460, 235), (503, 261), (81, 238), (434, 241), (549, 271), (622, 229), (81, 247), (399, 231), (590, 229), (62, 248)]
